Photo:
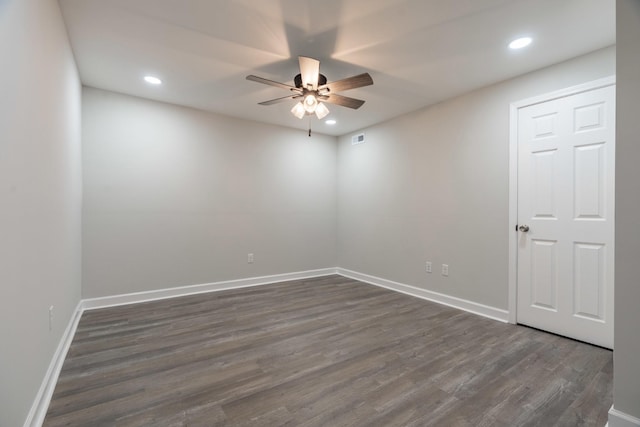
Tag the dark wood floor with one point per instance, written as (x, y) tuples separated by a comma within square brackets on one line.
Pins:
[(322, 352)]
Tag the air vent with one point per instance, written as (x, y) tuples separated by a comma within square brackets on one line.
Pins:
[(357, 139)]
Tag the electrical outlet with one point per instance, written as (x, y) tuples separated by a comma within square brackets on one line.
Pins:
[(445, 269), (250, 258), (429, 267), (50, 318)]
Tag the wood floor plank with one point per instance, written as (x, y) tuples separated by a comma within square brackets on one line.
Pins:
[(326, 351)]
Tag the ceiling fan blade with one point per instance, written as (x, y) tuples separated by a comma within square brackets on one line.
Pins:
[(343, 101), (275, 101), (272, 83), (349, 83), (310, 71)]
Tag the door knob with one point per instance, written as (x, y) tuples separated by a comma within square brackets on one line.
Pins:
[(524, 228)]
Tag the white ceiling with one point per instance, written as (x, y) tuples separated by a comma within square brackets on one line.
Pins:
[(418, 52)]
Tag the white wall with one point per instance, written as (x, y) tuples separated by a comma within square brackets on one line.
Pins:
[(175, 196), (40, 196), (433, 185), (626, 357)]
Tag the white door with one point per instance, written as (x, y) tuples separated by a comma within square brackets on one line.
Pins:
[(566, 150)]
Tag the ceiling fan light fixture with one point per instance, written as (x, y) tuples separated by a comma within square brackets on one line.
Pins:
[(298, 110), (321, 111), (310, 103)]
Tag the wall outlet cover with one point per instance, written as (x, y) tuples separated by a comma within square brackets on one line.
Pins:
[(445, 269)]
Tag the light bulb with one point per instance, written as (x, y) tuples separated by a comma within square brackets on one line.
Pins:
[(520, 43), (152, 80)]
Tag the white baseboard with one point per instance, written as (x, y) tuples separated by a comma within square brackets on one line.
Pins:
[(621, 419), (459, 303), (114, 300), (36, 415), (158, 294)]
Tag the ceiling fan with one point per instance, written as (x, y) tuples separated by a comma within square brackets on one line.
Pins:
[(312, 90)]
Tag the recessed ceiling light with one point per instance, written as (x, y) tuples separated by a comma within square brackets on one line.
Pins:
[(331, 122), (520, 43), (152, 80)]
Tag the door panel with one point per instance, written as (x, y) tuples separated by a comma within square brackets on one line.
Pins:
[(566, 150), (544, 280), (544, 203), (589, 281), (589, 181)]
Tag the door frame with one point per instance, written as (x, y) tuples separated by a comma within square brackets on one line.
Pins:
[(513, 176)]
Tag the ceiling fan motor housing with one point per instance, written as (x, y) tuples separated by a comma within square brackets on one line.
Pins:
[(297, 80)]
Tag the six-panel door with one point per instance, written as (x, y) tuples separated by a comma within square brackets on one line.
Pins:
[(565, 266)]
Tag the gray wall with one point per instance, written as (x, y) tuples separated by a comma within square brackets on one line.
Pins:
[(40, 196), (433, 185), (175, 196), (626, 357)]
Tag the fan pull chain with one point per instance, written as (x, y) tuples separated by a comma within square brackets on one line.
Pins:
[(309, 126)]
